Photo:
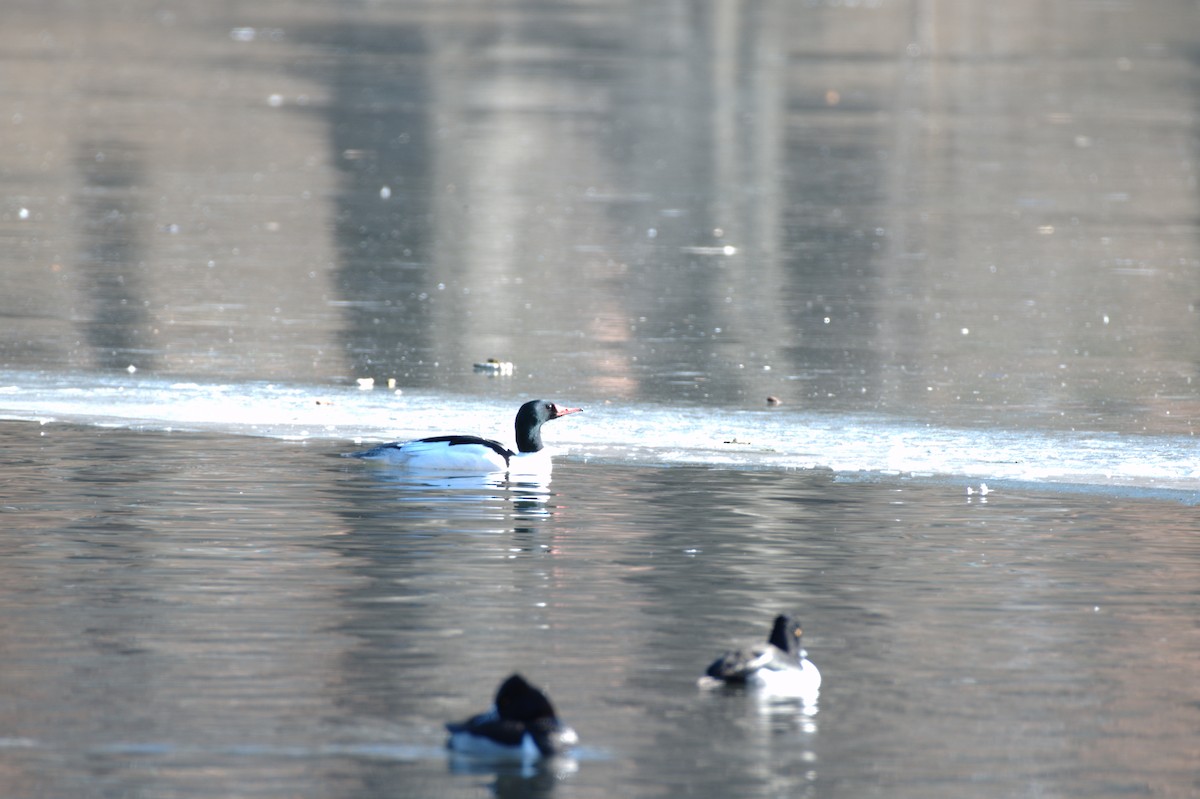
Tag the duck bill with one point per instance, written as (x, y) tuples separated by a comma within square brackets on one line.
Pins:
[(560, 410)]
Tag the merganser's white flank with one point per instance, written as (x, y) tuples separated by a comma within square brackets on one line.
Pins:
[(780, 666), (522, 724), (472, 454)]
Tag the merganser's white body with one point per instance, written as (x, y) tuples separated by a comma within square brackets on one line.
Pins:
[(475, 455)]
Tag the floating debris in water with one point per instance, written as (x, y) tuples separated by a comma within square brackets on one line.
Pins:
[(366, 383), (247, 34), (774, 401), (131, 368), (495, 367)]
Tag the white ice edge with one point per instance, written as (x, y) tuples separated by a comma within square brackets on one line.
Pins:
[(635, 434)]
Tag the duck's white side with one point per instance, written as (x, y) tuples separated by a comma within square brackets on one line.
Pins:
[(531, 464), (801, 680)]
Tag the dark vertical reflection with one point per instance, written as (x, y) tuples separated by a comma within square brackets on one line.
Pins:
[(112, 228), (704, 104), (835, 200), (960, 210), (527, 174), (378, 119)]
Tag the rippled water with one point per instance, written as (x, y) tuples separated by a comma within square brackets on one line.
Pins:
[(205, 615), (957, 243)]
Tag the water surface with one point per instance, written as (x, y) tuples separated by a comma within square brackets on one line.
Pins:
[(957, 242), (975, 215), (203, 615)]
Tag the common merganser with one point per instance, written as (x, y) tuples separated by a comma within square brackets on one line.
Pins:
[(780, 666), (474, 454), (522, 724)]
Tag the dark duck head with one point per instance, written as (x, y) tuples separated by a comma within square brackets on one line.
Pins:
[(530, 418), (518, 701), (785, 636)]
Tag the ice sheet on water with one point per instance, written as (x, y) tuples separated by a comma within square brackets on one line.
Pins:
[(618, 432)]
